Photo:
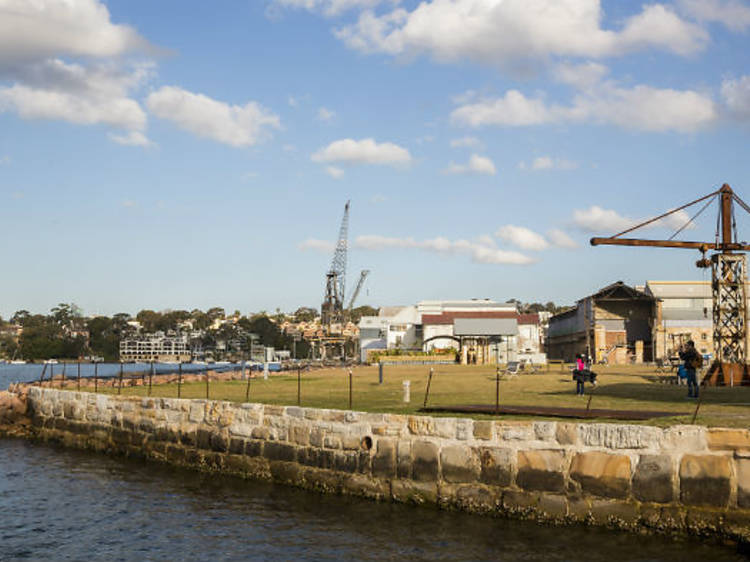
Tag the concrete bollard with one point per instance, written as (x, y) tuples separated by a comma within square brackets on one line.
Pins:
[(407, 391)]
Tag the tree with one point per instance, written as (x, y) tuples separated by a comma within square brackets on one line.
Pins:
[(305, 314), (20, 317), (361, 311)]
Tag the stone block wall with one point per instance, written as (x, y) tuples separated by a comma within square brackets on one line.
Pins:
[(685, 479)]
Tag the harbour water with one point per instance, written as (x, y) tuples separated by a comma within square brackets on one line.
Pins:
[(59, 504), (10, 373)]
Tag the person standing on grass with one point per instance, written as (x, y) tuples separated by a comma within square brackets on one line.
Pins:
[(693, 362), (578, 374)]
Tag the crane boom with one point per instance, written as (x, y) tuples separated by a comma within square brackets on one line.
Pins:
[(362, 276)]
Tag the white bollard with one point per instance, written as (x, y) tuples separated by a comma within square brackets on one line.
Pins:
[(407, 391), (265, 371)]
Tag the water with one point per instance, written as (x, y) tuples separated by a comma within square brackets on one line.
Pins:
[(68, 505), (31, 372)]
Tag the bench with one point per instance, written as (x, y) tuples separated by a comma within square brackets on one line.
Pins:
[(511, 369)]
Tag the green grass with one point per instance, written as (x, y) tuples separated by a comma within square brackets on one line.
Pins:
[(620, 387)]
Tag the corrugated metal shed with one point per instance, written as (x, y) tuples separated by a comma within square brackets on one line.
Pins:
[(485, 327), (680, 289)]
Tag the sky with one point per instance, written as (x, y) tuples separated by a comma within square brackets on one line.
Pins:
[(181, 154)]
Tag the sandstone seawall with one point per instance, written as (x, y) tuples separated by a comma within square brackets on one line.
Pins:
[(683, 479)]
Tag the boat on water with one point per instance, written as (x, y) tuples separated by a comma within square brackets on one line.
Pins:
[(16, 362), (51, 362)]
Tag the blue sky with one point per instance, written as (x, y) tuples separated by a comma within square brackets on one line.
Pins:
[(191, 154)]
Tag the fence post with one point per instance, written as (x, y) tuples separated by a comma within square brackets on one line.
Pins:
[(380, 373), (119, 387), (247, 390), (78, 377), (150, 377), (299, 385), (96, 377), (62, 382), (497, 390), (41, 377), (350, 389), (207, 379), (427, 390), (179, 381)]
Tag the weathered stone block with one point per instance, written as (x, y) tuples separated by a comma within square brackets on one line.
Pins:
[(237, 446), (515, 431), (409, 491), (705, 480), (219, 442), (553, 506), (544, 430), (614, 436), (197, 412), (514, 500), (618, 513), (384, 461), (541, 470), (300, 434), (483, 430), (743, 482), (425, 463), (496, 466), (470, 497), (464, 429), (566, 433), (653, 480), (345, 461), (275, 451), (459, 464), (602, 474), (403, 459), (728, 439)]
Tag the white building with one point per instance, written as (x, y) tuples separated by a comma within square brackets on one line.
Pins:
[(502, 334), (155, 347)]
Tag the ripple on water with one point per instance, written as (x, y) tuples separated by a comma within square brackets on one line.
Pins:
[(69, 505)]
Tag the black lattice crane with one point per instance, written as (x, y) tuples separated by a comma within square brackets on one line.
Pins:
[(728, 281), (332, 310)]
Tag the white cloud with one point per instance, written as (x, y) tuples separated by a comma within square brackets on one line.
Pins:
[(378, 198), (480, 251), (582, 76), (524, 238), (734, 14), (329, 8), (235, 125), (638, 108), (83, 95), (292, 101), (476, 165), (325, 114), (132, 138), (561, 239), (129, 203), (334, 172), (4, 160), (323, 246), (17, 195), (37, 30), (736, 96), (470, 142), (503, 31), (365, 151), (597, 219), (549, 163)]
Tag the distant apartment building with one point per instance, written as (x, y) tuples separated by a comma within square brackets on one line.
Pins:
[(155, 347)]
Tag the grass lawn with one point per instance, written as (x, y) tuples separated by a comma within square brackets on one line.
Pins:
[(620, 387)]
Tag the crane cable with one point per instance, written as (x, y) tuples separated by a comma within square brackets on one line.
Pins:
[(695, 216)]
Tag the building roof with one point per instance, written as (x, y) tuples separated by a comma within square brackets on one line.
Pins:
[(485, 327), (679, 289), (619, 291), (449, 317)]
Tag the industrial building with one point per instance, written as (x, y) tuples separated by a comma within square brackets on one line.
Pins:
[(622, 324), (481, 331), (613, 325)]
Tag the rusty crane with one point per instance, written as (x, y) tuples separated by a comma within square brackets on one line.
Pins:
[(728, 281)]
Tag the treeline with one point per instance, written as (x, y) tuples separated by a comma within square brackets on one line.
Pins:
[(66, 334)]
